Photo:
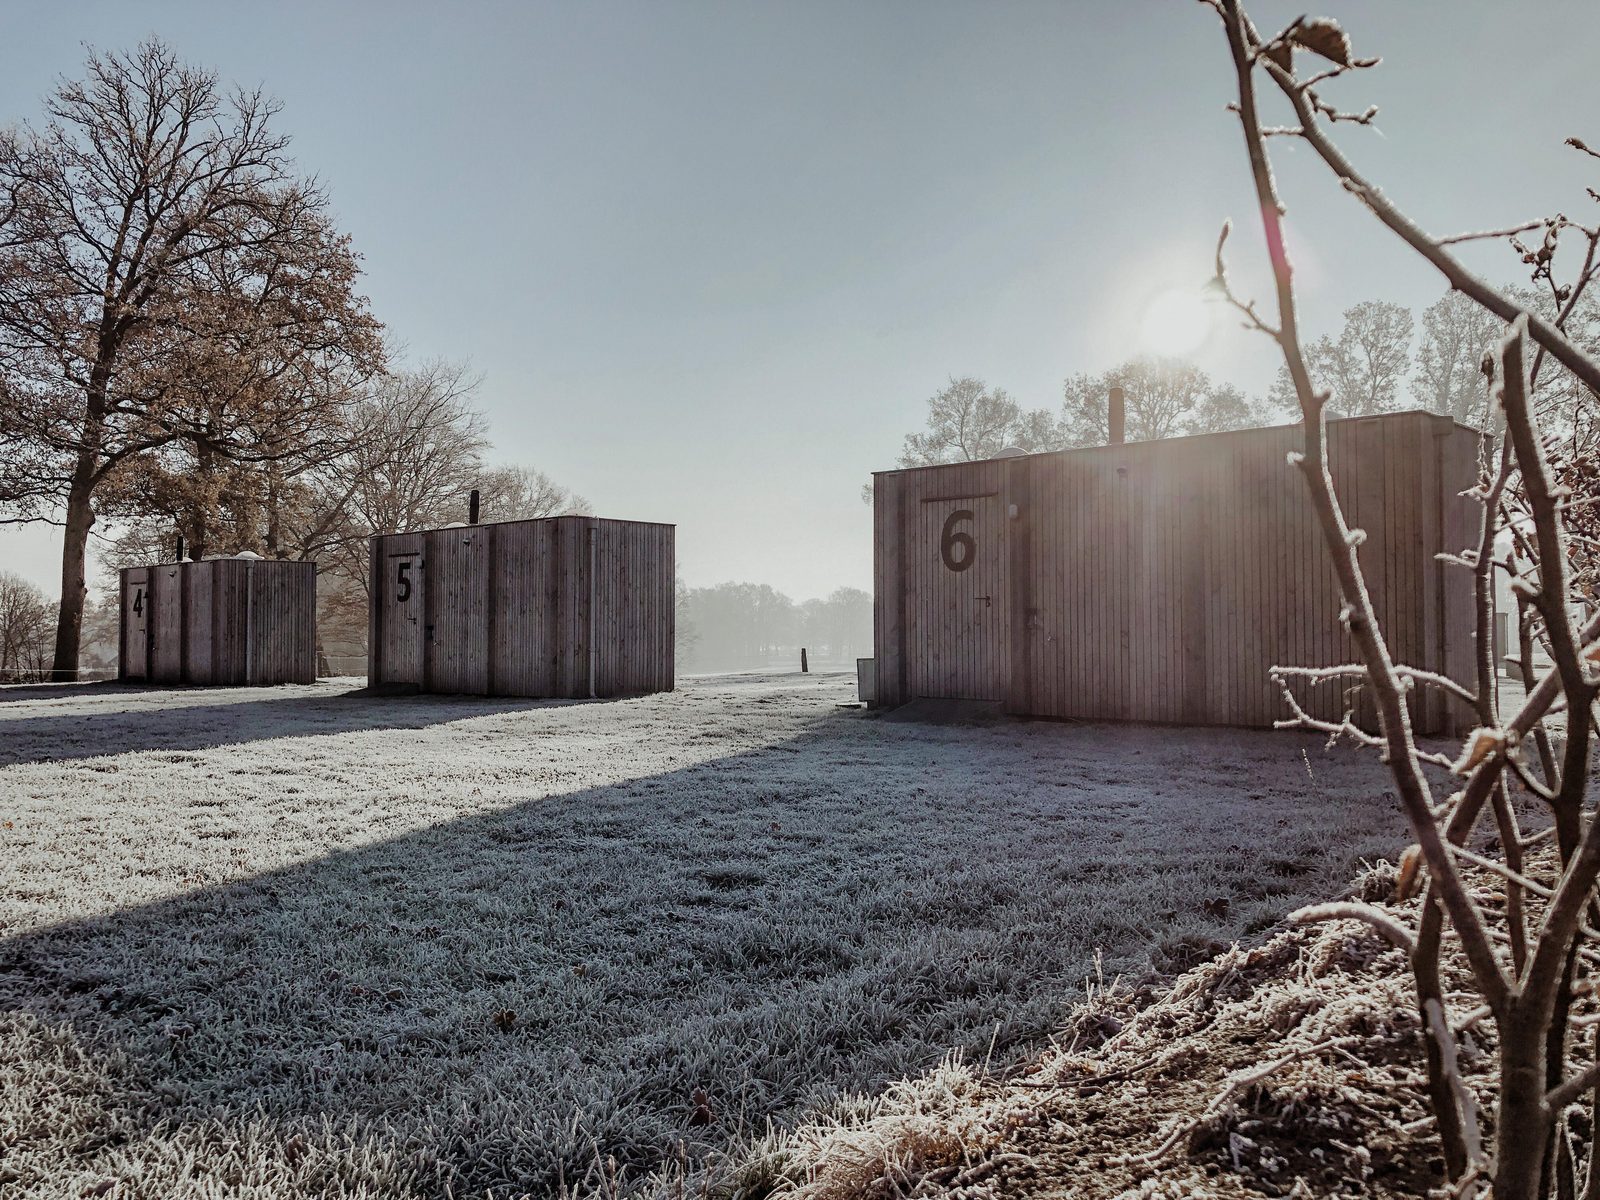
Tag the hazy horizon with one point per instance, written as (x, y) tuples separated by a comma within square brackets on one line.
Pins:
[(712, 259)]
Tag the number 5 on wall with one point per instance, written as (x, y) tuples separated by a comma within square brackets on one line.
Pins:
[(403, 576)]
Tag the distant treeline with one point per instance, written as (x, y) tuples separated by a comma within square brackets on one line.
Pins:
[(746, 626)]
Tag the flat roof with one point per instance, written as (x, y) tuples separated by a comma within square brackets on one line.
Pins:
[(217, 558), (1181, 439), (525, 521)]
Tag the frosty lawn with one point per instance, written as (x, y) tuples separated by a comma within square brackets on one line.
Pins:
[(293, 941)]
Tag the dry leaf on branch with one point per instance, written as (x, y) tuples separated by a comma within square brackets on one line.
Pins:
[(1321, 35), (1405, 884), (1479, 745)]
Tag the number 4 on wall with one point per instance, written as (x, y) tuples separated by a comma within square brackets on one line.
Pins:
[(138, 601)]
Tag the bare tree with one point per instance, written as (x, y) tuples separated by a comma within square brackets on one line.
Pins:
[(420, 447), (521, 493), (685, 633), (1164, 397), (1364, 368), (25, 631), (102, 633), (414, 455), (968, 420), (1528, 959), (416, 446), (404, 455), (8, 201), (839, 628), (163, 276), (739, 625), (1225, 407), (1456, 334)]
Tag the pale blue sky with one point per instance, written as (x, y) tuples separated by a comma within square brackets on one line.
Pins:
[(712, 258)]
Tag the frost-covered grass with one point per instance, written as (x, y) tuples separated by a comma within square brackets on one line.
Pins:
[(295, 942), (1289, 1069)]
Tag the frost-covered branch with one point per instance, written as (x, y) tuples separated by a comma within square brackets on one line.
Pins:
[(1410, 674), (1386, 686), (1544, 332), (1532, 1004), (1571, 1091), (1391, 930)]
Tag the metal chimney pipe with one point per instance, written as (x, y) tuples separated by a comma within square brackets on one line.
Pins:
[(1116, 418), (472, 508), (180, 547)]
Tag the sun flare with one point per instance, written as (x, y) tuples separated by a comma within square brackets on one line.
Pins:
[(1176, 323)]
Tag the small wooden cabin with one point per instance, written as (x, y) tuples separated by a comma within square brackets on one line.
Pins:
[(223, 621), (1161, 581), (557, 607)]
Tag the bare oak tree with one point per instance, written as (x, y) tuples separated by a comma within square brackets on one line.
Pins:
[(421, 447), (522, 493), (164, 278), (1363, 369), (25, 629), (968, 420), (416, 452), (1456, 334), (1164, 397)]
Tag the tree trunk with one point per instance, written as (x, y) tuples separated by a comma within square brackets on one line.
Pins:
[(80, 515), (1522, 1123), (200, 514), (74, 585), (1441, 1093), (274, 517)]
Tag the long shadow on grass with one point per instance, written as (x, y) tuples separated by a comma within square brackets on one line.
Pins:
[(504, 998), (13, 692), (119, 727)]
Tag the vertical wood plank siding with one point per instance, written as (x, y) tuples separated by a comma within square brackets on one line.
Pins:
[(563, 607), (224, 621), (1161, 581)]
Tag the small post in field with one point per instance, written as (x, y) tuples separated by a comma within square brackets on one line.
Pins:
[(804, 668)]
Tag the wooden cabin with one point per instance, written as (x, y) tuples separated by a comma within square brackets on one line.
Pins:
[(1161, 581), (222, 621), (568, 606)]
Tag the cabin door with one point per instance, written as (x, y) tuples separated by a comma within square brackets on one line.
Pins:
[(166, 652), (136, 624), (401, 589), (456, 644), (956, 648)]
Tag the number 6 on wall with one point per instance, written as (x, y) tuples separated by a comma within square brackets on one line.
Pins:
[(950, 539)]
